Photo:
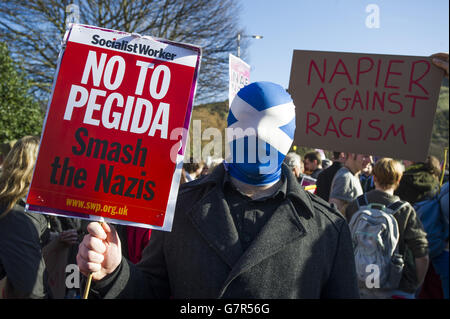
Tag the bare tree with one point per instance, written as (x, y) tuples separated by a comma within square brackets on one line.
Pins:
[(34, 29)]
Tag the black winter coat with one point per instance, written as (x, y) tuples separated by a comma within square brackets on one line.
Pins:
[(22, 236), (304, 251)]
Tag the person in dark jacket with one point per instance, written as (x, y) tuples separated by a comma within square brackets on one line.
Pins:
[(22, 234), (325, 177), (421, 182), (313, 164), (247, 230)]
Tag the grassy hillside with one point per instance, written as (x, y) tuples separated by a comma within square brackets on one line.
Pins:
[(443, 98), (212, 115)]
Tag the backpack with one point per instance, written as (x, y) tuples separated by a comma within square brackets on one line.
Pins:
[(375, 237), (433, 214)]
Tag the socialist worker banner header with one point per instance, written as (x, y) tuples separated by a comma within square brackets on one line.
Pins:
[(116, 128)]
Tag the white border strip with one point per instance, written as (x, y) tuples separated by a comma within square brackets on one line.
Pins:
[(85, 35)]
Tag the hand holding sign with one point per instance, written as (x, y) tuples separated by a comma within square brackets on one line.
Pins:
[(99, 252), (441, 61)]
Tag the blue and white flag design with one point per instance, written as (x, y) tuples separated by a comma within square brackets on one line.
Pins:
[(261, 126)]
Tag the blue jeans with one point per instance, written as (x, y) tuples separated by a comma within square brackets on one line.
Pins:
[(440, 264)]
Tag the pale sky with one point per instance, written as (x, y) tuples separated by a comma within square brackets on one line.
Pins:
[(413, 27)]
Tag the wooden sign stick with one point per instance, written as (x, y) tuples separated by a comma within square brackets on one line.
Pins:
[(89, 279)]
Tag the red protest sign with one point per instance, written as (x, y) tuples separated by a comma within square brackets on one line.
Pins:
[(375, 104), (107, 148)]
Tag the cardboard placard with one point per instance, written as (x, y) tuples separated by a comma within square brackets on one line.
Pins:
[(239, 73), (108, 148), (381, 105)]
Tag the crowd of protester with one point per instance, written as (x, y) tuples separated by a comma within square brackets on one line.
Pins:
[(321, 197)]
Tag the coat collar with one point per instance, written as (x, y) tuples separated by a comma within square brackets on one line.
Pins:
[(294, 190), (211, 216)]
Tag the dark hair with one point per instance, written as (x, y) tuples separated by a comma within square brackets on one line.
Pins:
[(336, 155), (313, 156), (192, 165)]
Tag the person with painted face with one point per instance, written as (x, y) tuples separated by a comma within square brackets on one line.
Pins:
[(247, 230)]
